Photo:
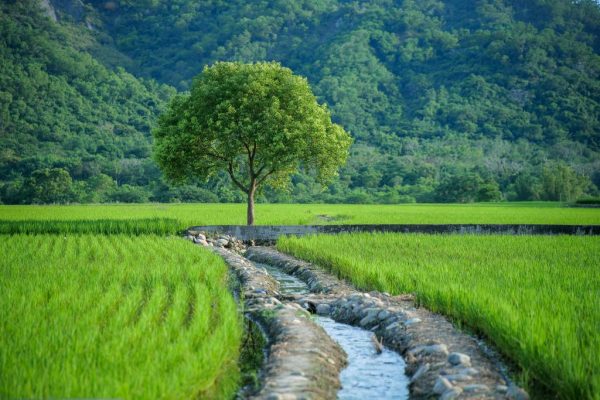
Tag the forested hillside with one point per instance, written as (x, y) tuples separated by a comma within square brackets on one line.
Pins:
[(447, 100)]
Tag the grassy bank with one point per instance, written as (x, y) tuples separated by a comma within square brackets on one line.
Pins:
[(537, 298), (115, 317), (300, 214)]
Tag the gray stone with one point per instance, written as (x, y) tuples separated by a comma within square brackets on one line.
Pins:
[(516, 393), (221, 242), (430, 350), (467, 371), (422, 369), (459, 377), (451, 394), (392, 326), (476, 388), (459, 358), (323, 309), (501, 388), (383, 314), (441, 385), (370, 318), (201, 236), (412, 321)]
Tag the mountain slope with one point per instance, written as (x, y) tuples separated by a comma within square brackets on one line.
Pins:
[(65, 115), (448, 100)]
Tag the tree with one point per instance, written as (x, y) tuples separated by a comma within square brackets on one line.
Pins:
[(259, 122), (560, 182), (49, 185)]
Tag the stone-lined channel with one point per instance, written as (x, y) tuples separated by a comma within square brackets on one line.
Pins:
[(368, 373), (304, 362)]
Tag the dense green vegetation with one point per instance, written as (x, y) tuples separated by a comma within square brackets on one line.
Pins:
[(115, 316), (164, 218), (448, 101), (536, 297)]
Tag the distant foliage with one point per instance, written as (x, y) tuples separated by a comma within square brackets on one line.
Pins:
[(70, 128), (431, 90)]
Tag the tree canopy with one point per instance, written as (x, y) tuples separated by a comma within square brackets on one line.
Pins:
[(259, 122)]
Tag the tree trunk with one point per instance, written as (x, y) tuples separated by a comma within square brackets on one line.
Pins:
[(250, 214)]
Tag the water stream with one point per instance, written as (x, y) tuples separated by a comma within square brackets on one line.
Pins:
[(368, 374)]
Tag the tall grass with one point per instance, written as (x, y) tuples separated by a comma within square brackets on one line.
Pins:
[(115, 317), (301, 214), (536, 297)]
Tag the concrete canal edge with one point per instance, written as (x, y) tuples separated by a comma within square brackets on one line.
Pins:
[(272, 232)]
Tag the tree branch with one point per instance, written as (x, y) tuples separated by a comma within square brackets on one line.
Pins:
[(215, 155), (233, 178), (261, 180)]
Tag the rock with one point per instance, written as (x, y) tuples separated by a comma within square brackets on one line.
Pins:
[(441, 385), (475, 388), (516, 393), (221, 242), (459, 377), (501, 388), (451, 394), (467, 371), (459, 358), (370, 318), (392, 326), (422, 369), (430, 350), (282, 396), (201, 236), (323, 309), (383, 314), (201, 242), (412, 321)]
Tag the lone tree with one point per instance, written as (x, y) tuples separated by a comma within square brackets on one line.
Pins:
[(259, 122)]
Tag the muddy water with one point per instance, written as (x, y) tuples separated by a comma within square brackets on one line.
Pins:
[(368, 374)]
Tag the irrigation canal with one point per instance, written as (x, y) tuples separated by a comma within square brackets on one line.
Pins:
[(369, 374), (319, 331)]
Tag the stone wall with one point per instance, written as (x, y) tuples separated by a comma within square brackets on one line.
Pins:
[(272, 232)]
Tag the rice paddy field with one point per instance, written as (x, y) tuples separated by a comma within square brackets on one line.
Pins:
[(161, 218), (537, 298), (115, 316)]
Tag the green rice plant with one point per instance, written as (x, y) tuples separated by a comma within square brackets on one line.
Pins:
[(157, 226), (537, 298), (301, 214), (115, 316)]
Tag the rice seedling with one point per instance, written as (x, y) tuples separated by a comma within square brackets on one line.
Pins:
[(157, 226), (115, 317), (188, 215), (537, 298)]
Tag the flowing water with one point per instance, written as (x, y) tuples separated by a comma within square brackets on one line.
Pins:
[(368, 374)]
